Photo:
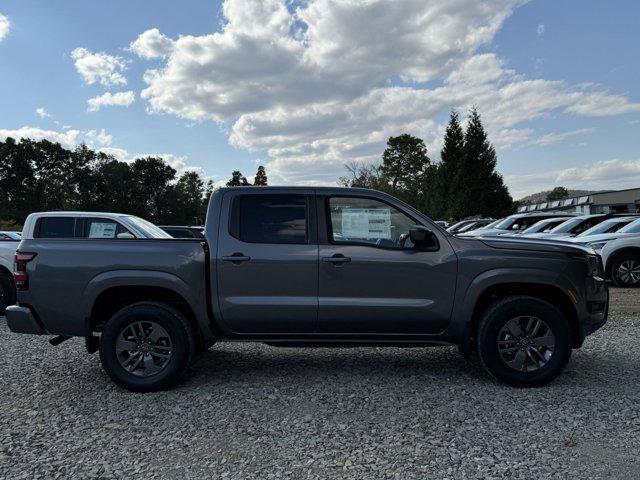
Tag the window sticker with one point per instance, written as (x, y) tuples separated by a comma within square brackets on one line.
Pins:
[(102, 230), (366, 223)]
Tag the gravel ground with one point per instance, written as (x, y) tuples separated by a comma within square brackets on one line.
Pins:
[(251, 411)]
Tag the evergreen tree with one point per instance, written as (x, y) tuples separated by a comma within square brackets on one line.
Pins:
[(261, 177), (237, 179), (481, 190), (449, 176), (557, 193)]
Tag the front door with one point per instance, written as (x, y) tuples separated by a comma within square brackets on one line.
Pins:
[(267, 265), (373, 279)]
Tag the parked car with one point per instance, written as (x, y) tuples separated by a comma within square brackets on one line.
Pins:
[(515, 223), (579, 225), (475, 225), (8, 244), (308, 267), (183, 232), (442, 224), (542, 226), (621, 260), (597, 241), (610, 225), (458, 225)]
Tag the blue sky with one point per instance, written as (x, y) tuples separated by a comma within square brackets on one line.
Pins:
[(304, 88)]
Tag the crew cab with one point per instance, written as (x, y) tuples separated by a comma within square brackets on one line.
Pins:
[(310, 267)]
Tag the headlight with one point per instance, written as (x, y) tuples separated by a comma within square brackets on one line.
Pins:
[(597, 245), (594, 266)]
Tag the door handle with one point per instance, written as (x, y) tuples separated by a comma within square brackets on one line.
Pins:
[(337, 259), (237, 258)]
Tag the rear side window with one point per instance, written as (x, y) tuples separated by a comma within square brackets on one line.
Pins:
[(102, 228), (270, 219), (56, 227)]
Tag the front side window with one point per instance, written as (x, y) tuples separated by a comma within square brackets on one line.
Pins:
[(102, 228), (270, 219), (56, 227), (370, 222)]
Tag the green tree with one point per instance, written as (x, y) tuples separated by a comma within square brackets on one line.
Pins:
[(152, 178), (481, 189), (189, 194), (237, 180), (557, 193), (362, 175), (261, 177), (404, 166)]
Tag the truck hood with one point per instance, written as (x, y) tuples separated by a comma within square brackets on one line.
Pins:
[(523, 243)]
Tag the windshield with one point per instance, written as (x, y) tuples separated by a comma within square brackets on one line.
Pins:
[(147, 228), (505, 224), (568, 225), (13, 235), (544, 225), (633, 227), (608, 226)]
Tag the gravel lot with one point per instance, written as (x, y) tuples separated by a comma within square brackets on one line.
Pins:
[(252, 411)]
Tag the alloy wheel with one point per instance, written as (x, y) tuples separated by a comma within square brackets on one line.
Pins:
[(629, 271), (144, 348), (526, 343)]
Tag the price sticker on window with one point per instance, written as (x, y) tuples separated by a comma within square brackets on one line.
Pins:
[(366, 223), (102, 230)]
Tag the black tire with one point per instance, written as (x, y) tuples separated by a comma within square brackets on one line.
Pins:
[(497, 316), (7, 291), (622, 263), (180, 334)]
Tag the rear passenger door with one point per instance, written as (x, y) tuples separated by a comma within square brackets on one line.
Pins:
[(267, 262)]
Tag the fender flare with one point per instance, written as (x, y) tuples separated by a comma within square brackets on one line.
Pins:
[(144, 278), (463, 314)]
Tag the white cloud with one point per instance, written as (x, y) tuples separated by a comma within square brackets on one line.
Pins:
[(601, 175), (68, 138), (540, 29), (5, 25), (558, 137), (329, 81), (98, 138), (99, 67), (121, 99), (42, 113), (152, 44)]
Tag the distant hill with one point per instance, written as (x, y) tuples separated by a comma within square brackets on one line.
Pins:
[(542, 196)]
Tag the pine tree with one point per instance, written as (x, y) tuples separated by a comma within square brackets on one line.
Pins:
[(449, 175), (261, 177), (481, 190), (237, 180)]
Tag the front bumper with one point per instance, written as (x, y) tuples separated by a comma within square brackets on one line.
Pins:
[(597, 305), (22, 320)]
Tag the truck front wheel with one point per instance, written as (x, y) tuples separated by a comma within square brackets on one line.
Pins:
[(523, 341), (146, 346)]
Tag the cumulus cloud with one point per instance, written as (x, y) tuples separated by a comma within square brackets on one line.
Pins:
[(5, 25), (152, 44), (121, 99), (98, 138), (327, 82), (68, 138), (42, 113), (599, 175), (99, 67)]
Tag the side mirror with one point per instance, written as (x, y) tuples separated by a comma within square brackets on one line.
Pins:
[(423, 238), (515, 226), (125, 236)]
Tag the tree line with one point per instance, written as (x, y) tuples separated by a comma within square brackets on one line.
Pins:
[(463, 184), (42, 175)]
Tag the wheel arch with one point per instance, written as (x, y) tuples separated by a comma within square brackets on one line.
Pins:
[(617, 254)]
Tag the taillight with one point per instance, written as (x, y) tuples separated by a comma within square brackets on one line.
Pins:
[(20, 269)]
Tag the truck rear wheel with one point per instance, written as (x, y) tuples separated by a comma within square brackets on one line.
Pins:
[(7, 291), (625, 271), (524, 341), (146, 347)]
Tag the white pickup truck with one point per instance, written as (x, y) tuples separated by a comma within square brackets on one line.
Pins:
[(8, 243)]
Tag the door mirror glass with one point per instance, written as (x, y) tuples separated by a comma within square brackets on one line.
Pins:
[(423, 238), (125, 236)]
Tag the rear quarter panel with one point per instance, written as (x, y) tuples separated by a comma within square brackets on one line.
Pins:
[(68, 275)]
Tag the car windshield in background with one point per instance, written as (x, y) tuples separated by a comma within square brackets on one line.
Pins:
[(544, 225), (608, 226), (633, 227), (505, 224), (12, 235), (567, 225), (147, 228)]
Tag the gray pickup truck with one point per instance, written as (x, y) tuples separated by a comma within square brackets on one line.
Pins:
[(309, 267)]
